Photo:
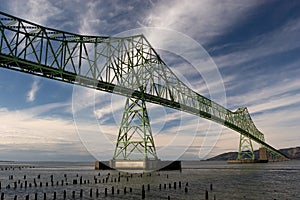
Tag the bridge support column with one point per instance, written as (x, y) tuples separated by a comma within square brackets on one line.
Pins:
[(135, 140), (245, 148), (263, 153)]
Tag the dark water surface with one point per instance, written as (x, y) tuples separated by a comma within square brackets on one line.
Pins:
[(217, 180)]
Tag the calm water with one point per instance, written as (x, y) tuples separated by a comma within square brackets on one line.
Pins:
[(279, 180)]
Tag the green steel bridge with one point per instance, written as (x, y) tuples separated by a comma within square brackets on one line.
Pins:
[(127, 66)]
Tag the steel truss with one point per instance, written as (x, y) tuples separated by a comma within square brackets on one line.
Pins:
[(245, 148), (135, 140), (127, 66)]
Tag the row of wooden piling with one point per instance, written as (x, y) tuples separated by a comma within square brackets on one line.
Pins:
[(26, 183), (72, 194), (8, 168), (95, 192)]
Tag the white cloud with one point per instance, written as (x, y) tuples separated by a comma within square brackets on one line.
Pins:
[(34, 129), (88, 22), (25, 131), (33, 90), (37, 11), (203, 20), (272, 43), (283, 90)]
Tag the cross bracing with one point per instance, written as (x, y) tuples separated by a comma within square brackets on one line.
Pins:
[(128, 66)]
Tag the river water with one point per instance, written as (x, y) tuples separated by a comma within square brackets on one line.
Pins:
[(197, 180)]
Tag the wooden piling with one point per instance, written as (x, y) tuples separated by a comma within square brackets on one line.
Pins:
[(143, 193), (206, 195)]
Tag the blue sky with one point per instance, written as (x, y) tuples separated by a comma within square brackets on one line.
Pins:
[(254, 44)]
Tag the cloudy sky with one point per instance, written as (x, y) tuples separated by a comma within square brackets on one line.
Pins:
[(253, 44)]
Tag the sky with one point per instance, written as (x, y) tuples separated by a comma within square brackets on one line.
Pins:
[(254, 45)]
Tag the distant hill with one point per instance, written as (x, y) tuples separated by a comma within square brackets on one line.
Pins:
[(293, 153)]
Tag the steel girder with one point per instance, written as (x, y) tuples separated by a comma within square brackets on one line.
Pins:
[(128, 66)]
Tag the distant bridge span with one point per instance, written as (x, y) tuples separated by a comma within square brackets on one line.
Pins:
[(128, 66)]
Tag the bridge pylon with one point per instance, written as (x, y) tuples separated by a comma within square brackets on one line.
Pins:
[(135, 140), (245, 149)]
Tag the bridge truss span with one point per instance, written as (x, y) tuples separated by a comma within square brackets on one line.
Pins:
[(128, 66)]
